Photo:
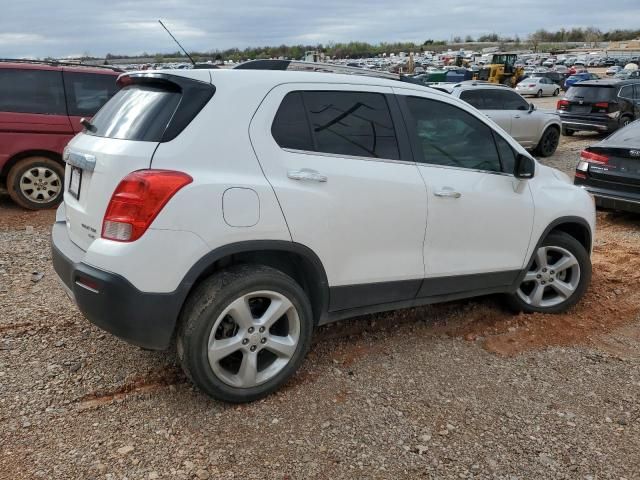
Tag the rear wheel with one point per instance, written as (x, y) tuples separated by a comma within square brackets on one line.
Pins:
[(36, 183), (244, 332), (548, 142), (624, 121), (539, 94), (558, 276), (567, 133), (556, 92)]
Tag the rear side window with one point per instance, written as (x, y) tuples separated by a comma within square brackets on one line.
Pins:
[(589, 93), (342, 123), (290, 128), (88, 92), (32, 91)]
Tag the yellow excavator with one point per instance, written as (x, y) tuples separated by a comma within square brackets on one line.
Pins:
[(502, 69)]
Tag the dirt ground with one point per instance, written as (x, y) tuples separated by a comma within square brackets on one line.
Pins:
[(460, 390)]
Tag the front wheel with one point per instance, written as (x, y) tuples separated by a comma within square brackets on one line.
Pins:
[(244, 332), (567, 132), (557, 278), (548, 142), (539, 94)]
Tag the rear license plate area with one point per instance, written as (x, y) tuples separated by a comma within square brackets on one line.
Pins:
[(75, 182)]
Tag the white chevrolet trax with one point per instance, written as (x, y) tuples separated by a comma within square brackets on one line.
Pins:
[(234, 210)]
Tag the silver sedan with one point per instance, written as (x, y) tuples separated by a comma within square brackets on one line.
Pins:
[(537, 86)]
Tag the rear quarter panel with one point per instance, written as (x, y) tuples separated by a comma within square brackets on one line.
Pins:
[(215, 149)]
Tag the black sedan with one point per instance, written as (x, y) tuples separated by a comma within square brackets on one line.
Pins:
[(610, 170)]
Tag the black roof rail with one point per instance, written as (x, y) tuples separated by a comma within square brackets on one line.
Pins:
[(58, 63), (301, 66)]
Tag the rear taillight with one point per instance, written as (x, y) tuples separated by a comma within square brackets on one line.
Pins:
[(603, 107), (562, 104), (591, 157), (531, 85), (137, 200)]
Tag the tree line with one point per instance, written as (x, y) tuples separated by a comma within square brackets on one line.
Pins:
[(364, 49)]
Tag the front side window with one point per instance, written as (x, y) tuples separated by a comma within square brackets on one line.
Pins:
[(513, 101), (88, 92), (449, 136), (32, 91)]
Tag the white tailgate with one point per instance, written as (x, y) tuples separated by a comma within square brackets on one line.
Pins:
[(114, 159)]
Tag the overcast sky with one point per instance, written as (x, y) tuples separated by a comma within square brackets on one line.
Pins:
[(39, 28)]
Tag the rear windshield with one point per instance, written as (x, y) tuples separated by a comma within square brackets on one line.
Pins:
[(589, 93), (137, 112)]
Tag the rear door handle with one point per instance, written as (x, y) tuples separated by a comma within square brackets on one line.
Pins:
[(447, 193), (306, 174)]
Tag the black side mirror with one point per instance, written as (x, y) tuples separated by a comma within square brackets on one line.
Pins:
[(525, 167), (532, 107)]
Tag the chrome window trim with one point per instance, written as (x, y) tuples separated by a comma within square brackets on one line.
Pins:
[(350, 157)]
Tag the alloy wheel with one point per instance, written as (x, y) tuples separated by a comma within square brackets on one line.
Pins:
[(40, 184), (253, 339), (552, 279)]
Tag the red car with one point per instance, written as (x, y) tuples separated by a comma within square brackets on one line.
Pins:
[(41, 105)]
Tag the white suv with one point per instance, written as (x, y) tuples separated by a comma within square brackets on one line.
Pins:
[(538, 130), (235, 210)]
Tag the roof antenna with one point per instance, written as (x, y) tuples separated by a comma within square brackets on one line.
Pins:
[(174, 39)]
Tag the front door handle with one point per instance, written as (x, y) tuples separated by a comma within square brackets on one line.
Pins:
[(516, 116), (447, 193), (306, 174)]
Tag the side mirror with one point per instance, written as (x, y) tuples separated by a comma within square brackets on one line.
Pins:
[(532, 107), (525, 167)]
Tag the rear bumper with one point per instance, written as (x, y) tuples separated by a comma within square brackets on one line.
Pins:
[(590, 124), (112, 303), (614, 200)]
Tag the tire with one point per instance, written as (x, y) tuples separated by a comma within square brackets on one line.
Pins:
[(567, 133), (556, 92), (36, 183), (573, 280), (539, 94), (211, 305), (624, 121), (548, 142)]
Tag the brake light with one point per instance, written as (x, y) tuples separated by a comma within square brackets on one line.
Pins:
[(562, 104), (137, 200), (602, 105), (593, 157), (531, 85)]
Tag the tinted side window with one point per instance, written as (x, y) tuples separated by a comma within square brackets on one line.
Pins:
[(88, 92), (351, 123), (626, 91), (473, 98), (32, 91), (449, 136), (290, 128), (513, 101), (507, 155), (492, 99)]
